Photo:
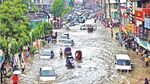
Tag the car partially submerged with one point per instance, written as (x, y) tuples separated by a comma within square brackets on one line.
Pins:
[(46, 54), (88, 27), (63, 38), (123, 62), (68, 42), (47, 75)]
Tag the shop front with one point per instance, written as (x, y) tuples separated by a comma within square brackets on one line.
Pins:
[(147, 28)]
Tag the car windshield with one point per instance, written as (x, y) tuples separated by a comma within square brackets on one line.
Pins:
[(67, 41), (45, 53), (47, 73), (123, 62), (64, 37)]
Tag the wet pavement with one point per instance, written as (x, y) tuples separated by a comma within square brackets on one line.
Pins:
[(98, 60)]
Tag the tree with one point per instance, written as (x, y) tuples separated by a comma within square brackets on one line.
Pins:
[(14, 47), (13, 26), (57, 8), (67, 10), (47, 27)]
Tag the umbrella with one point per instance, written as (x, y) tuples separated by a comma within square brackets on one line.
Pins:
[(17, 72)]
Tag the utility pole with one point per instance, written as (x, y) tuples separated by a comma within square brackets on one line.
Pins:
[(110, 19), (120, 21), (109, 9), (105, 11), (101, 8)]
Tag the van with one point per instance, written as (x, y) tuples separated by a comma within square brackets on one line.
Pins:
[(123, 62)]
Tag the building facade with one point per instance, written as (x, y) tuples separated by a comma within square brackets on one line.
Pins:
[(43, 4)]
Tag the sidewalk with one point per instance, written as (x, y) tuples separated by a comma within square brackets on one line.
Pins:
[(140, 72)]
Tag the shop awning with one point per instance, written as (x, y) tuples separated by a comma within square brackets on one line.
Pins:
[(144, 44)]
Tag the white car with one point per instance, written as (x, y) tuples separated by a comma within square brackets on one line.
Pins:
[(47, 74), (46, 54), (123, 62), (63, 38), (68, 42)]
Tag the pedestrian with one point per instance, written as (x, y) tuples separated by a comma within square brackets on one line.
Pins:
[(15, 79), (28, 48), (61, 53), (56, 34), (20, 55), (67, 35), (3, 70), (137, 51), (146, 60), (23, 66), (27, 54), (15, 68), (12, 61), (112, 35), (52, 54), (146, 81)]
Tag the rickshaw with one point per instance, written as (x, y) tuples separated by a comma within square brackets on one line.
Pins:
[(90, 28), (54, 37), (70, 62), (67, 51), (78, 55)]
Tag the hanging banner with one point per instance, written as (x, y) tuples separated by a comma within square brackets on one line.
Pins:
[(146, 11), (147, 23), (139, 15)]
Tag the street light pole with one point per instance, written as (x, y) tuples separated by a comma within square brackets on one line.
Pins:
[(120, 21)]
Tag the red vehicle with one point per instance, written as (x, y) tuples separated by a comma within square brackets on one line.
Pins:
[(78, 55)]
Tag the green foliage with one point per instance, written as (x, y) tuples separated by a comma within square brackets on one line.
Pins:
[(66, 11), (3, 43), (13, 25), (35, 33), (43, 43), (33, 49), (57, 8), (14, 47), (47, 27)]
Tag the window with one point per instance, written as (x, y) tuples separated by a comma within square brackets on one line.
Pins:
[(47, 73), (123, 62), (139, 4), (38, 1)]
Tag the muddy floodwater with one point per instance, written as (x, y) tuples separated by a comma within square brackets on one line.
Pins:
[(97, 66)]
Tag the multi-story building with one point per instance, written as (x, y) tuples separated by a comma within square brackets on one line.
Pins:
[(142, 20), (43, 4)]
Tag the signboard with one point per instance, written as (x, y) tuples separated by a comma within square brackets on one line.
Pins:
[(139, 15), (128, 27), (147, 23)]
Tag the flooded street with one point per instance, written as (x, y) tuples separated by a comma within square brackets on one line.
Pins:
[(98, 60)]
